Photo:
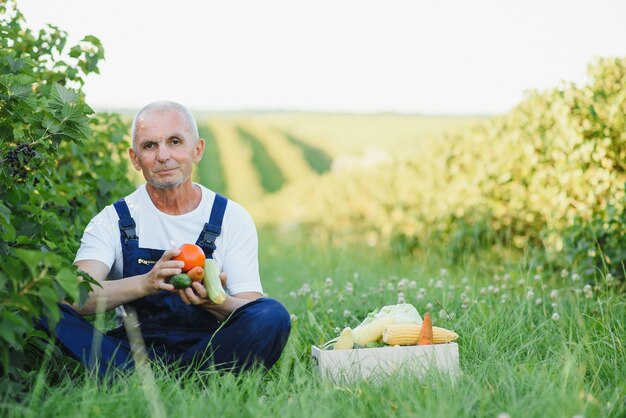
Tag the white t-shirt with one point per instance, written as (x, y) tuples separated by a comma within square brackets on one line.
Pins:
[(237, 245)]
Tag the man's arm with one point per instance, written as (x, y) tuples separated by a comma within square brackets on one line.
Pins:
[(118, 292)]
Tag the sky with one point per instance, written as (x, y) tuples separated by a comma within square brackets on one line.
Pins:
[(429, 57)]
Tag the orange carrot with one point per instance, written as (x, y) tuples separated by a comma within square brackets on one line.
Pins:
[(196, 274), (426, 333)]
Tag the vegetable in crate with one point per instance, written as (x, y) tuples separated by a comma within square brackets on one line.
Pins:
[(409, 334), (345, 341), (371, 332), (212, 282), (426, 333)]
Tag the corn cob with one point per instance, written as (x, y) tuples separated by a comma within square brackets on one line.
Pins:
[(409, 334), (345, 340)]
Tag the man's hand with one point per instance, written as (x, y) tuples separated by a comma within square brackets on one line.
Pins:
[(197, 294), (155, 279)]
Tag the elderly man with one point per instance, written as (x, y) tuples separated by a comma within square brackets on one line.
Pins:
[(133, 242)]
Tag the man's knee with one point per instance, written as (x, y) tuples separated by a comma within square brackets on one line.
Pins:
[(272, 317)]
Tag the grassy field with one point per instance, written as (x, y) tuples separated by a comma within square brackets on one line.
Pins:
[(532, 344)]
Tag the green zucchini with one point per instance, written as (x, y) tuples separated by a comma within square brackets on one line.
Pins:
[(212, 282)]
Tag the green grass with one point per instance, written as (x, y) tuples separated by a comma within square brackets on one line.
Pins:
[(210, 171), (271, 178), (315, 157), (514, 357)]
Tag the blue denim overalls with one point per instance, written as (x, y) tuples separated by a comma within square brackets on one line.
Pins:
[(173, 332)]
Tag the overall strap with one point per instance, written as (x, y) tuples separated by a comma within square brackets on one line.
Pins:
[(213, 228), (127, 225)]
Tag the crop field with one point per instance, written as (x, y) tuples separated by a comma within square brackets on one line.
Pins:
[(250, 156)]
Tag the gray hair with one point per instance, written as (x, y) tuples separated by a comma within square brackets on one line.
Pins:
[(167, 106)]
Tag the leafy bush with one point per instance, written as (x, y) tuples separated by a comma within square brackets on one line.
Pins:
[(597, 245), (519, 179), (59, 164)]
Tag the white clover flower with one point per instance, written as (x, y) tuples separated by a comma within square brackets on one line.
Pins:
[(530, 294), (443, 314), (537, 277), (490, 288), (495, 290), (364, 295), (390, 286), (555, 316), (304, 290), (483, 291), (443, 273), (429, 306), (292, 294), (503, 415), (506, 277), (538, 301), (609, 278), (401, 298), (346, 313), (554, 294), (496, 277), (463, 306), (403, 284), (412, 284), (337, 330), (431, 282), (504, 297), (293, 317), (349, 287), (422, 291), (419, 297), (328, 282), (464, 279), (330, 311), (564, 273), (356, 275), (327, 292), (315, 295), (521, 282), (554, 305), (587, 288), (439, 284), (575, 277)]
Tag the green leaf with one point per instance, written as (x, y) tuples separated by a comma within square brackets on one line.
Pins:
[(76, 51), (62, 94), (19, 91), (68, 281)]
